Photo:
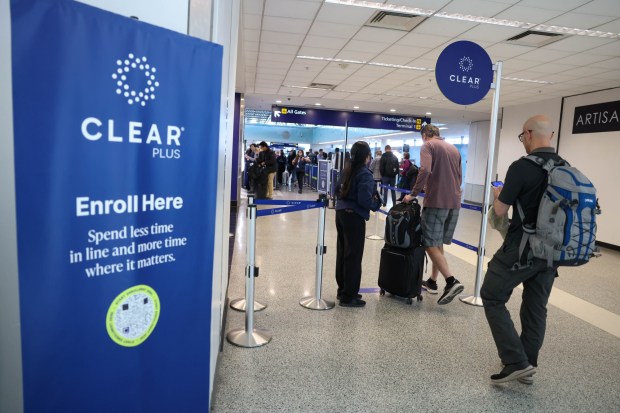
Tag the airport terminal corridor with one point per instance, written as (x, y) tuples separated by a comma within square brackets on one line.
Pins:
[(394, 357)]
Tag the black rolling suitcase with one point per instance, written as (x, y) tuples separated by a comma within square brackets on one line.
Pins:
[(400, 272)]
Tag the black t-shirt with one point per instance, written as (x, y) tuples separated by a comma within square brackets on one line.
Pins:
[(525, 182)]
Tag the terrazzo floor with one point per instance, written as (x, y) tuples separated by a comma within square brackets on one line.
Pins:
[(394, 357)]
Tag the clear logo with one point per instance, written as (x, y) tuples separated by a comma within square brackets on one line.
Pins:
[(142, 87), (466, 64)]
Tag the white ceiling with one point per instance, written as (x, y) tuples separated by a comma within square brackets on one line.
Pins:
[(274, 32)]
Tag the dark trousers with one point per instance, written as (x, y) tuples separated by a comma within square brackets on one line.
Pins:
[(349, 251), (499, 282), (300, 179), (391, 181)]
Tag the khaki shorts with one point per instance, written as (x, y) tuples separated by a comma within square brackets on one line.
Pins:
[(438, 225)]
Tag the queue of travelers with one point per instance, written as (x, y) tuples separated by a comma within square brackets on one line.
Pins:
[(439, 176)]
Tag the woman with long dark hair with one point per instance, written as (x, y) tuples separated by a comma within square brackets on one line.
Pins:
[(356, 197)]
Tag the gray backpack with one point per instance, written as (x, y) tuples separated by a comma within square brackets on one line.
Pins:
[(565, 231)]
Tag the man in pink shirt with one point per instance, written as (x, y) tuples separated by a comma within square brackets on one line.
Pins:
[(440, 176)]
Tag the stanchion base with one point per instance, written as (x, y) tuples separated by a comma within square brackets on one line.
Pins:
[(239, 305), (242, 338), (375, 237), (313, 304), (472, 300)]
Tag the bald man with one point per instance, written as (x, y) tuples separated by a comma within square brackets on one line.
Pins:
[(524, 182)]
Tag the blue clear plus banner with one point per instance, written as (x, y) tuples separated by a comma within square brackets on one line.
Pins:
[(116, 135), (464, 72), (309, 116)]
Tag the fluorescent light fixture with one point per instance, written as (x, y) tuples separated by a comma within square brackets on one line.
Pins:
[(278, 101), (356, 107), (338, 141), (516, 79), (442, 128), (317, 104), (364, 62), (476, 19), (392, 110), (428, 113)]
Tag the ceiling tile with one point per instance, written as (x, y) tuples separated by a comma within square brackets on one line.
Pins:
[(613, 26), (360, 56), (446, 27), (278, 48), (324, 42), (277, 57), (609, 49), (582, 59), (375, 34), (600, 7), (291, 8), (579, 20), (287, 91), (313, 93), (528, 14), (422, 40), (613, 63), (252, 21), (544, 55), (551, 68), (506, 51), (252, 7), (483, 8), (392, 59), (318, 52), (281, 38), (336, 13), (336, 95), (329, 29), (490, 33), (406, 51), (586, 71), (286, 24), (561, 5), (365, 46), (421, 4), (578, 44)]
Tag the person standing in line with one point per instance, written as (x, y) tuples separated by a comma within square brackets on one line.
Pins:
[(404, 177), (524, 184), (356, 197), (300, 168), (389, 170), (249, 161), (441, 177), (281, 160), (290, 167), (375, 168), (267, 161)]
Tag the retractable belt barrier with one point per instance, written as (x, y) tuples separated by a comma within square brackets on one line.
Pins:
[(254, 337), (406, 191)]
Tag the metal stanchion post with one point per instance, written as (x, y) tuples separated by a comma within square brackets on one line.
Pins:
[(476, 299), (239, 304), (376, 235), (316, 302), (250, 336)]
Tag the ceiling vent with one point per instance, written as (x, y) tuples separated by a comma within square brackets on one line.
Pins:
[(394, 21), (535, 39), (322, 86)]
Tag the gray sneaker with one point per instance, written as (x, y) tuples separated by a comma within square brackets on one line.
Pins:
[(451, 291), (526, 380)]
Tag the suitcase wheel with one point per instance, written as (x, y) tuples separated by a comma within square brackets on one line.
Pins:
[(381, 291), (409, 301)]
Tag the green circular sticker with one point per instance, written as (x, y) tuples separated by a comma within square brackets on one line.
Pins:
[(132, 316)]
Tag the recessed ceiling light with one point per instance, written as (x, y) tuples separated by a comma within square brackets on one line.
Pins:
[(356, 107), (278, 101), (392, 110), (428, 113), (317, 104)]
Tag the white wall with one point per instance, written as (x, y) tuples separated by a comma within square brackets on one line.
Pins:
[(596, 155), (477, 157), (11, 394), (510, 148), (171, 14)]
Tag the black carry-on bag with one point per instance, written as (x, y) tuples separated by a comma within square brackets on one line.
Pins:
[(400, 272)]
